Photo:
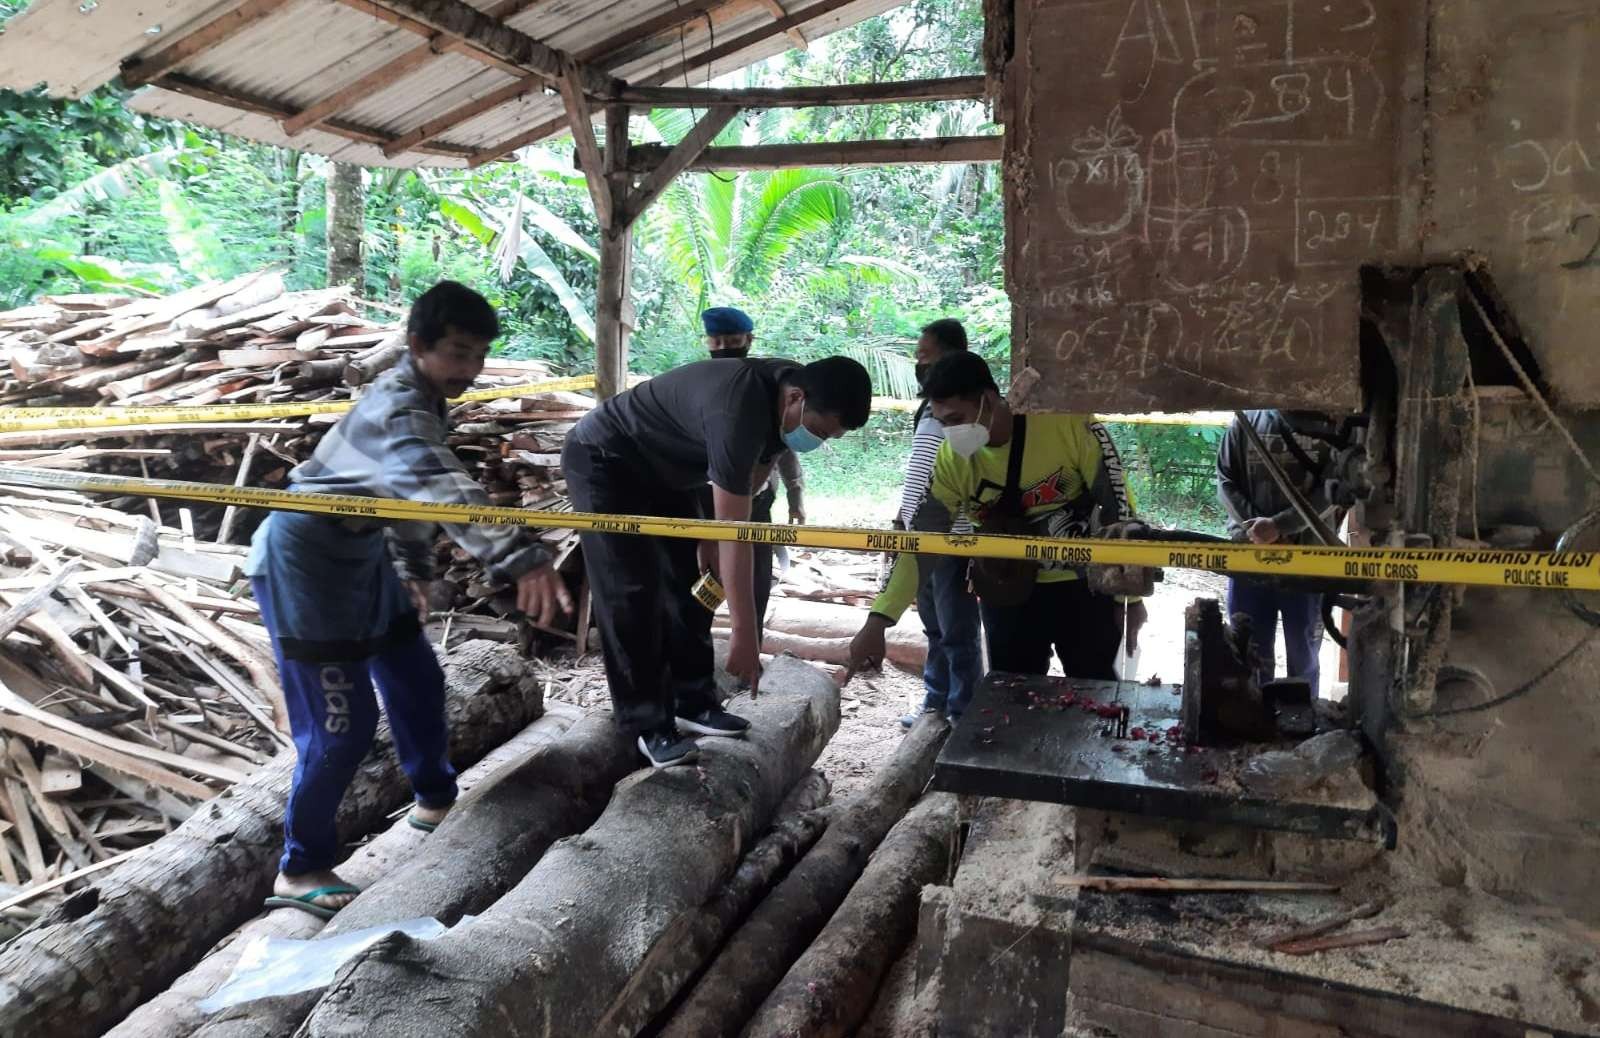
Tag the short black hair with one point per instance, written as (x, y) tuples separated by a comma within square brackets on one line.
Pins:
[(947, 332), (960, 374), (837, 386), (450, 304)]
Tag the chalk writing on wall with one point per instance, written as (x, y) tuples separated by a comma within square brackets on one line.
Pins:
[(1204, 182)]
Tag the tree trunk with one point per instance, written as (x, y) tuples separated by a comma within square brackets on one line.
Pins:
[(483, 849), (175, 1014), (683, 950), (347, 222), (786, 921), (554, 954), (107, 948), (830, 991)]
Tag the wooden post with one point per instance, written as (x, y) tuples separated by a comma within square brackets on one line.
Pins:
[(613, 302)]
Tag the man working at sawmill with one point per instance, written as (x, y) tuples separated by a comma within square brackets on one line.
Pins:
[(648, 451), (344, 599), (945, 604), (1049, 475), (729, 335), (1303, 444)]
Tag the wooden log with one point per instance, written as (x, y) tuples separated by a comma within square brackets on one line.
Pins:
[(484, 848), (683, 950), (781, 927), (830, 990), (558, 950), (369, 364), (175, 1013), (110, 947)]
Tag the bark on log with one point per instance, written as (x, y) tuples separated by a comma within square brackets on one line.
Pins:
[(681, 952), (175, 1014), (107, 948), (830, 991), (552, 956), (485, 847), (781, 927)]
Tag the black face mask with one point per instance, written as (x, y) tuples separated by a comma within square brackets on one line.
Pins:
[(732, 352), (922, 374)]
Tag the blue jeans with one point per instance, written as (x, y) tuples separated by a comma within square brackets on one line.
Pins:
[(950, 620), (333, 714), (1302, 627)]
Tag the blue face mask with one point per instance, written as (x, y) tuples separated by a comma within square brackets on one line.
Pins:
[(800, 439)]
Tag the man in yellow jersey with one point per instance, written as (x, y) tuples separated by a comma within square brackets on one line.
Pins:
[(1070, 484)]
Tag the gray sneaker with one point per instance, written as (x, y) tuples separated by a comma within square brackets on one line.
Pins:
[(663, 748)]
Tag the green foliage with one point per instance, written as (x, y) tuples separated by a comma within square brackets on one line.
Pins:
[(1172, 472)]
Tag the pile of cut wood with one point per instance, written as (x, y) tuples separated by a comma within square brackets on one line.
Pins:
[(135, 683), (249, 341)]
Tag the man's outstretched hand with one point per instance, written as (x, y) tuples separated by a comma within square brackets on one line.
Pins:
[(542, 595)]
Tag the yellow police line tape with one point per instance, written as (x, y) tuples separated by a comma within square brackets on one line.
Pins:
[(35, 419), (1487, 568), (41, 419)]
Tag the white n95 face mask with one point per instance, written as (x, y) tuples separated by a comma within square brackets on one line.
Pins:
[(969, 438)]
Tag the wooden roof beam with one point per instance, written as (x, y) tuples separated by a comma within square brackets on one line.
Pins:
[(959, 88), (190, 86), (581, 118), (794, 34), (480, 31), (749, 39), (140, 71), (646, 159), (674, 162), (540, 132), (386, 75), (601, 54)]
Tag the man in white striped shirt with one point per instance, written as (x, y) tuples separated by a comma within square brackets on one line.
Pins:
[(947, 607)]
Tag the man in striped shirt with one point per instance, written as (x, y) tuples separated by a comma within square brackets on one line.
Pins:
[(948, 610), (344, 599)]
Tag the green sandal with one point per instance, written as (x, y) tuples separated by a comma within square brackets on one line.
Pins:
[(304, 902), (417, 823)]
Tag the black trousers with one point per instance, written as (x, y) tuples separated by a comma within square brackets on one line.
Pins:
[(656, 639), (760, 554), (1066, 616)]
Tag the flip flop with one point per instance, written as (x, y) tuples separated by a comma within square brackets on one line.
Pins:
[(304, 901), (417, 823)]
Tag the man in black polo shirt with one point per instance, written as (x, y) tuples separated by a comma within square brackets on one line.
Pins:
[(649, 451)]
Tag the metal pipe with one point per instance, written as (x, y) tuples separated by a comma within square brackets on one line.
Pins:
[(1297, 500)]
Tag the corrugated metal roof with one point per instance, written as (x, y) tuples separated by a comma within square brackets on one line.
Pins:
[(306, 51)]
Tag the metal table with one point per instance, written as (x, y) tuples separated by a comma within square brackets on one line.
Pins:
[(1031, 738)]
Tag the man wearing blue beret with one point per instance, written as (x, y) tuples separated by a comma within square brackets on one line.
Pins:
[(729, 333)]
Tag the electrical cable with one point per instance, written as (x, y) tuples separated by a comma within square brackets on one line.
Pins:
[(1521, 690)]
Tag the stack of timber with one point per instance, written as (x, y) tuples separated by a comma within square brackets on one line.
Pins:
[(250, 341), (135, 684)]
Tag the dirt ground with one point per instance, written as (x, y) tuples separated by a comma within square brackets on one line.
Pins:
[(873, 704)]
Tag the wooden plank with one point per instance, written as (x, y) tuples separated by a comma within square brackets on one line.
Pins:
[(364, 87), (581, 118), (842, 153), (192, 86), (514, 50), (749, 39), (442, 124), (155, 766), (59, 776), (60, 881), (26, 832), (144, 70), (916, 90), (1163, 885), (794, 34), (677, 160)]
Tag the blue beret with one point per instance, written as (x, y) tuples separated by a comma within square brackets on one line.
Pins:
[(727, 320)]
